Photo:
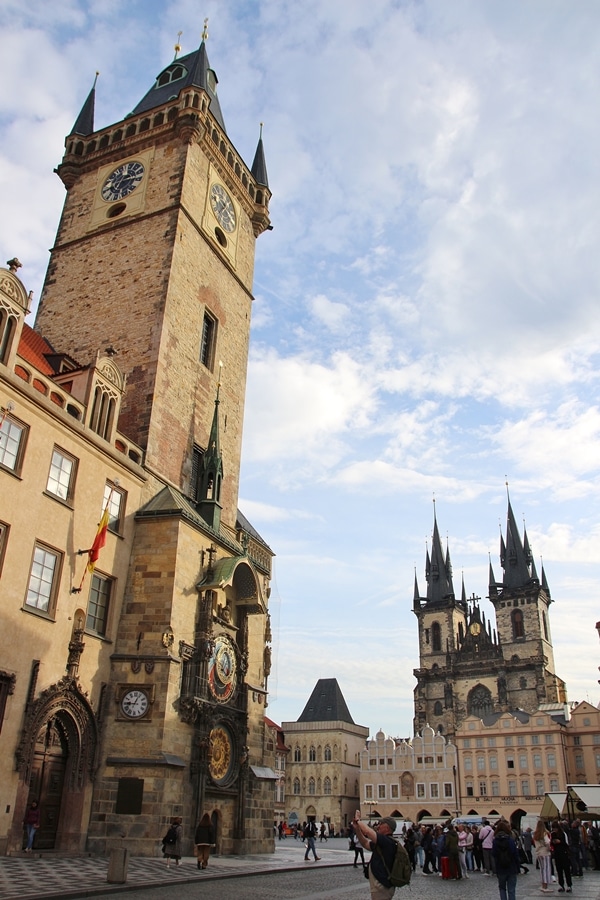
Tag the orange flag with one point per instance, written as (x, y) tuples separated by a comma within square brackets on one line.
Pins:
[(99, 540)]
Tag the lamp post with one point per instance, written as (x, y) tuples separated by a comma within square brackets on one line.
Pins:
[(370, 804)]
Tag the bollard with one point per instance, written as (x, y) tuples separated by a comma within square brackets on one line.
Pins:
[(117, 866)]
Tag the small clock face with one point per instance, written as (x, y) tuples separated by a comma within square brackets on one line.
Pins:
[(221, 754), (475, 628), (122, 181), (223, 207), (134, 704), (222, 669)]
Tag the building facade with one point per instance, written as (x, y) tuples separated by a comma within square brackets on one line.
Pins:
[(276, 743), (323, 769), (409, 779), (470, 666), (137, 693)]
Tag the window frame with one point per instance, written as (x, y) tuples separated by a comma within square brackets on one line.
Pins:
[(112, 490), (50, 611), (106, 580), (208, 340), (68, 498), (4, 533), (9, 420)]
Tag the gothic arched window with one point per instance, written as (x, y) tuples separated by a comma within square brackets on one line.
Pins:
[(437, 708), (312, 755), (479, 702), (436, 637), (297, 755), (518, 625), (327, 786), (296, 785), (327, 755), (311, 786), (545, 624)]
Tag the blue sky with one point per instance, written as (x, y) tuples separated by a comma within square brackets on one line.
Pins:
[(426, 320)]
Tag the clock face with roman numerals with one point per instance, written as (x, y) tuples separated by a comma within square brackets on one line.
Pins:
[(134, 704), (222, 669), (122, 181), (223, 208)]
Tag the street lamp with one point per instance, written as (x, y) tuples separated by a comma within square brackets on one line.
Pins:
[(370, 804)]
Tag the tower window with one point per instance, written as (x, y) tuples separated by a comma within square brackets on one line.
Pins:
[(436, 637), (207, 345), (437, 708), (197, 454), (8, 326), (518, 627), (545, 624)]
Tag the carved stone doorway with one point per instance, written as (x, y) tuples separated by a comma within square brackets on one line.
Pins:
[(49, 765)]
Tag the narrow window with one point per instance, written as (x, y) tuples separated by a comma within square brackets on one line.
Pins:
[(43, 579), (115, 498), (61, 478), (13, 436), (436, 637), (517, 624), (98, 604), (207, 344), (8, 326), (4, 529)]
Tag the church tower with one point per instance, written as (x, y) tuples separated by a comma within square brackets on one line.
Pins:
[(466, 665), (151, 272)]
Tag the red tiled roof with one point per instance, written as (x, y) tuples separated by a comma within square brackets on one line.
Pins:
[(33, 347)]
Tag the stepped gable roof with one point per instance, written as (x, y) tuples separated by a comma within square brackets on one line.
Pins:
[(326, 704)]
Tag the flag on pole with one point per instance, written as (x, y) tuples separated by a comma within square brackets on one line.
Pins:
[(99, 542)]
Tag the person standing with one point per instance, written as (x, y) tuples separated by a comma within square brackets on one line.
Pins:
[(506, 860), (31, 823), (562, 856), (541, 843), (409, 846), (428, 844), (527, 839), (382, 845), (575, 843), (358, 850), (453, 854), (465, 838), (486, 836), (310, 833), (322, 833), (204, 839), (172, 842)]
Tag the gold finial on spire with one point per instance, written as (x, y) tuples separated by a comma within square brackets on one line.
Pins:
[(178, 44), (205, 30)]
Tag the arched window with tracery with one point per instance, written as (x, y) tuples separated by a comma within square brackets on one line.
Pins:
[(296, 785), (297, 754), (436, 637), (311, 786), (312, 755), (327, 786), (479, 702), (327, 754)]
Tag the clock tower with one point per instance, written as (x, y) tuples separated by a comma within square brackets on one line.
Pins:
[(153, 266)]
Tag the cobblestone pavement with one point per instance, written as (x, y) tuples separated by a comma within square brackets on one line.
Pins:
[(26, 878)]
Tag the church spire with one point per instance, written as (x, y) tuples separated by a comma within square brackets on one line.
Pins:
[(259, 165), (211, 473), (516, 563), (438, 570), (84, 123)]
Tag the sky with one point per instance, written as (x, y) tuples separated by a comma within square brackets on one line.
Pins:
[(426, 320)]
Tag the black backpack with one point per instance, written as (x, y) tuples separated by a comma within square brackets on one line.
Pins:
[(504, 857)]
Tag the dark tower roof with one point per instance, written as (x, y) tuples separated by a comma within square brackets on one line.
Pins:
[(515, 556), (84, 123), (192, 70), (438, 570), (211, 474), (259, 165), (326, 704)]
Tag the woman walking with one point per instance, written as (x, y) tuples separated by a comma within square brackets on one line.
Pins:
[(541, 842), (172, 841), (204, 839), (562, 856)]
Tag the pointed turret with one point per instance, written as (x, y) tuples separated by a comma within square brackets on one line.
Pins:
[(192, 70), (545, 584), (516, 568), (84, 123), (211, 474), (438, 571), (259, 165), (492, 583), (416, 596)]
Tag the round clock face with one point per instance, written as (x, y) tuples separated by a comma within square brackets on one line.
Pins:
[(475, 628), (223, 207), (122, 181), (134, 704), (221, 754), (222, 669)]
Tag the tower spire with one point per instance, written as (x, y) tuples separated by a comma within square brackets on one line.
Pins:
[(84, 123), (259, 165)]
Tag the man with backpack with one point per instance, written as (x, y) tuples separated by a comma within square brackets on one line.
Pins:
[(389, 866), (310, 833), (506, 858)]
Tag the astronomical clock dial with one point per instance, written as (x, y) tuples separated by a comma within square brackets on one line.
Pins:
[(222, 669), (134, 704), (122, 181), (223, 208), (221, 754)]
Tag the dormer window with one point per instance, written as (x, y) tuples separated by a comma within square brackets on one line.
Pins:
[(211, 80), (173, 73)]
